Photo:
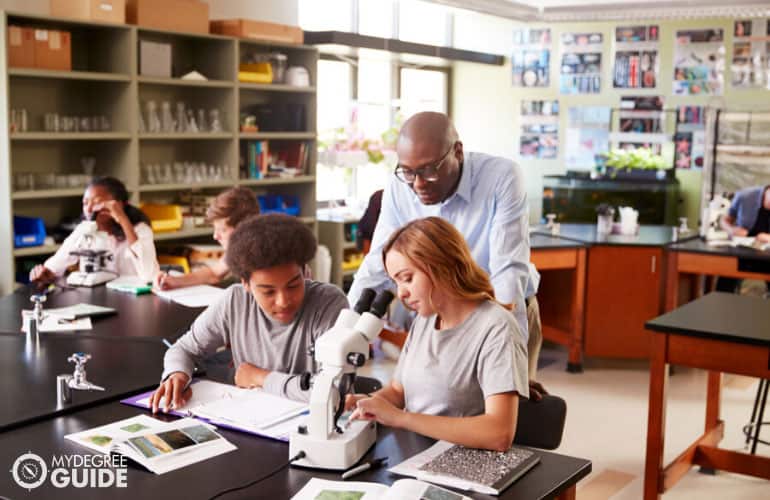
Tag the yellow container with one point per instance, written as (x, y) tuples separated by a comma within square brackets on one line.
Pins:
[(261, 72), (163, 217), (174, 260)]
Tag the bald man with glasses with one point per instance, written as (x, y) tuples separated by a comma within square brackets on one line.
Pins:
[(483, 196)]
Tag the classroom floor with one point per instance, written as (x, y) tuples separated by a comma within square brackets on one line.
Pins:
[(607, 423)]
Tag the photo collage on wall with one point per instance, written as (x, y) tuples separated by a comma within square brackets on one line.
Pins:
[(690, 137), (539, 130), (636, 57), (581, 63), (587, 136), (531, 58), (751, 48), (699, 61), (640, 115)]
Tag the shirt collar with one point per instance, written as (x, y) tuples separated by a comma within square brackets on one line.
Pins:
[(464, 187)]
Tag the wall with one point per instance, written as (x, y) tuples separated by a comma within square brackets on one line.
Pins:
[(277, 11), (483, 95)]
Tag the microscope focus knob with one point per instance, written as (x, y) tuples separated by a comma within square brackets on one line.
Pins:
[(356, 359), (304, 381)]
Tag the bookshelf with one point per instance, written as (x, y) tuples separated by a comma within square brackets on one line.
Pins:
[(105, 81)]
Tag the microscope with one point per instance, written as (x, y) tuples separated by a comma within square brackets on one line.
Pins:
[(712, 212), (340, 351), (92, 256)]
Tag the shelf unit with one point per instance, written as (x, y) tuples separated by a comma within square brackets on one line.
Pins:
[(105, 81), (331, 233)]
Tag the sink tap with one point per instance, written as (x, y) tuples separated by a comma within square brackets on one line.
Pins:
[(37, 313), (77, 381)]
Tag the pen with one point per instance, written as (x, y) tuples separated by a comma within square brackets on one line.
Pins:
[(168, 344), (377, 462)]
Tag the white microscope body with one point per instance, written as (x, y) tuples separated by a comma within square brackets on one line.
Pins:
[(340, 351), (712, 212), (93, 255)]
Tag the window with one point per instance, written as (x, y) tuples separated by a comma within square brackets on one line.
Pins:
[(423, 22), (335, 90), (326, 15), (423, 90), (375, 18)]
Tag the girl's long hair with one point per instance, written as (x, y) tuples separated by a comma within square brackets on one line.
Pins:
[(438, 249), (119, 192)]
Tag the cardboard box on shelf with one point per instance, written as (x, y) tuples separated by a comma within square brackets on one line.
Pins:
[(154, 58), (108, 11), (53, 50), (190, 16), (21, 47), (258, 30)]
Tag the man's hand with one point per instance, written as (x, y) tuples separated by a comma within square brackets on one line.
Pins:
[(763, 237), (172, 389), (536, 391), (379, 409), (41, 274), (249, 376)]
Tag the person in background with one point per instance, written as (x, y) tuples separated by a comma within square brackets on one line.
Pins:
[(749, 215), (464, 363), (129, 235), (227, 210), (269, 320), (483, 196)]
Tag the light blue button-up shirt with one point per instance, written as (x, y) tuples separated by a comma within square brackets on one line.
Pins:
[(489, 208)]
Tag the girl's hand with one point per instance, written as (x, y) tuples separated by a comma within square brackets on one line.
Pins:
[(379, 409), (115, 209), (352, 399)]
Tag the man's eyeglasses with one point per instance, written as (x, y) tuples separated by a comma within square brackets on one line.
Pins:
[(428, 173)]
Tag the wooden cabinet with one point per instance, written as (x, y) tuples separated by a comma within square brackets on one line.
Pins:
[(624, 289), (105, 82)]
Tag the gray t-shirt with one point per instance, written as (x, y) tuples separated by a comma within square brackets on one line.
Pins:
[(236, 321), (451, 372)]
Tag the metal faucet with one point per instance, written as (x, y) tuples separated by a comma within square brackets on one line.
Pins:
[(37, 313), (77, 381)]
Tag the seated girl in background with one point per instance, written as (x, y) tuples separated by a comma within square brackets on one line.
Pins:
[(464, 364), (226, 211), (129, 237)]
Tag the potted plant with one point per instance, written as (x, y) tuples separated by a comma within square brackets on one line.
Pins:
[(639, 163)]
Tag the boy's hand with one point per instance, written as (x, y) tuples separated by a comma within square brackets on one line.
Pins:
[(250, 376), (172, 389)]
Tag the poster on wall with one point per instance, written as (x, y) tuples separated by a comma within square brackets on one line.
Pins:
[(699, 61), (531, 58), (539, 137), (587, 136), (638, 117), (636, 57), (750, 54), (690, 137), (581, 63)]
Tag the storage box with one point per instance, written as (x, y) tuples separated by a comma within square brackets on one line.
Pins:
[(21, 47), (108, 11), (28, 231), (281, 204), (258, 30), (163, 217), (190, 16), (154, 59), (53, 49)]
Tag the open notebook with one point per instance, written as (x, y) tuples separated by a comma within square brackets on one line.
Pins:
[(403, 489), (192, 296), (247, 410), (158, 446)]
